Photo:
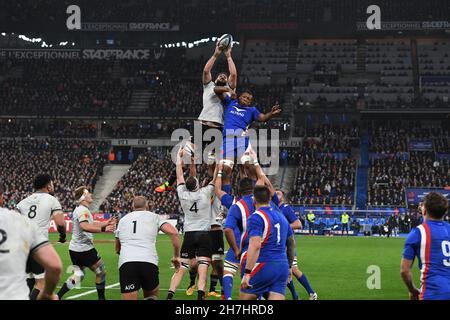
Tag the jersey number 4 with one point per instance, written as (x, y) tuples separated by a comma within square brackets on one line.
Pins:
[(194, 208)]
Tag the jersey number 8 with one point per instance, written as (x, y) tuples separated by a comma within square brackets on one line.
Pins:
[(32, 213)]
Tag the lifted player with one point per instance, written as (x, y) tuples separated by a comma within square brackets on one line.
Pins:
[(41, 207), (81, 248), (239, 115), (211, 116)]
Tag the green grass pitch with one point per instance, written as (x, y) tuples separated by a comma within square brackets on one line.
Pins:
[(336, 268)]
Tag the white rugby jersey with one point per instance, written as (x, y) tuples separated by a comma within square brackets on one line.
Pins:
[(19, 237), (137, 232), (212, 105), (196, 207), (81, 241), (40, 207)]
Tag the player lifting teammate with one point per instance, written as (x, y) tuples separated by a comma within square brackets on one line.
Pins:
[(211, 116), (81, 248), (265, 265), (41, 207), (196, 205)]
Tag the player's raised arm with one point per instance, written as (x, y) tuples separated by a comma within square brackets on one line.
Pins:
[(170, 230), (232, 80), (179, 167), (218, 174), (276, 109), (207, 77), (224, 92)]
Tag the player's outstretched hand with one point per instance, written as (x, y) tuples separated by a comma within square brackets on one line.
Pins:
[(228, 51), (414, 295), (276, 109), (218, 50), (245, 284), (110, 228)]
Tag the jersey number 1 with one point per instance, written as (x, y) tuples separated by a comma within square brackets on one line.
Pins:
[(134, 226), (278, 233)]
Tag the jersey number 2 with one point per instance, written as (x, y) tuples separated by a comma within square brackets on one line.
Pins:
[(3, 238)]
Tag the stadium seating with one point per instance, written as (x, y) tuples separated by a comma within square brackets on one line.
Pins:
[(72, 163)]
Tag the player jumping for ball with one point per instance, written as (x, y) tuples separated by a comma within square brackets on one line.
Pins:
[(211, 116)]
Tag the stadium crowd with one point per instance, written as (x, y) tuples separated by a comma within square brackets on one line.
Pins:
[(71, 162), (56, 87)]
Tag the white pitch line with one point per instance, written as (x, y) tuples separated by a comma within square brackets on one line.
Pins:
[(92, 291)]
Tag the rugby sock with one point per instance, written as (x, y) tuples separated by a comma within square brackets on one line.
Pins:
[(227, 285), (292, 289), (101, 290), (201, 295), (64, 289), (170, 295), (193, 277), (214, 280), (34, 294), (305, 283), (30, 283)]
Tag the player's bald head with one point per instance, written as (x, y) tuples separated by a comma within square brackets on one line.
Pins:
[(139, 202)]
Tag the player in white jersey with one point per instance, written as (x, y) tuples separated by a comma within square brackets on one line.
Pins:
[(81, 248), (196, 205), (41, 207), (136, 244), (19, 239), (211, 116)]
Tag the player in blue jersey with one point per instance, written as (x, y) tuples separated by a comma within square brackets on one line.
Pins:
[(265, 265), (295, 223), (239, 115), (430, 243), (236, 222)]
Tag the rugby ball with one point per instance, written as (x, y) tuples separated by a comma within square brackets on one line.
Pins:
[(189, 148), (225, 41)]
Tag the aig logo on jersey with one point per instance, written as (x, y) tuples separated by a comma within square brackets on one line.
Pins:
[(130, 287)]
